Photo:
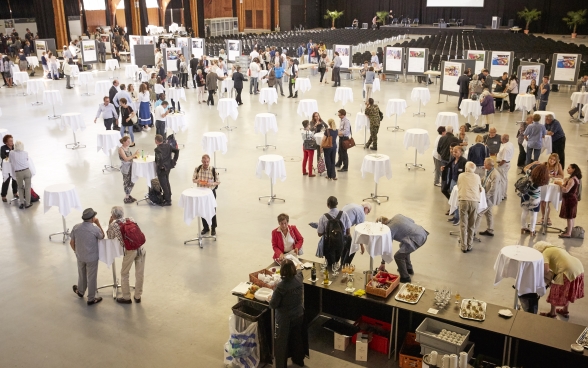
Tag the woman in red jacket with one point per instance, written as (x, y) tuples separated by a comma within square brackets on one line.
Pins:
[(285, 238)]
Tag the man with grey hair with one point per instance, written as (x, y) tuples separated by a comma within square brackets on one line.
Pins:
[(135, 255), (505, 155), (84, 242), (468, 195), (356, 214), (492, 183)]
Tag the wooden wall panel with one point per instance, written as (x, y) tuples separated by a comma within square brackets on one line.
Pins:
[(260, 20), (153, 16), (95, 18), (218, 9), (120, 19)]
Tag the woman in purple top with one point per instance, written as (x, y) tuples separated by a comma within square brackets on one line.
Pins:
[(487, 102)]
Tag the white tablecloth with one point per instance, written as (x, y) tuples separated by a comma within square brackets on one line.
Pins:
[(273, 166), (551, 193), (525, 265), (448, 118), (544, 114), (377, 164), (20, 77), (198, 202), (395, 106), (302, 85), (7, 169), (112, 64), (173, 93), (454, 203), (420, 93), (318, 137), (108, 250), (547, 145), (3, 132), (585, 112), (227, 107), (35, 86), (52, 97), (85, 78), (579, 98), (307, 107), (265, 122), (227, 84), (470, 107), (107, 140), (33, 61), (144, 168), (15, 69), (344, 94), (101, 88), (176, 123), (64, 196), (72, 120), (376, 85), (361, 121), (214, 141), (131, 71), (377, 239), (418, 138), (268, 95), (524, 101)]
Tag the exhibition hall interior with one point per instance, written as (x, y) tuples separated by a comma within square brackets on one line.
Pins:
[(293, 183)]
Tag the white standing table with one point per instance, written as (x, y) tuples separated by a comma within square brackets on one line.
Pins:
[(274, 167), (198, 203), (447, 119), (64, 196), (75, 122), (343, 94), (377, 238), (111, 64), (85, 78), (175, 93), (101, 88), (175, 123), (550, 193), (525, 102), (20, 78), (33, 61), (144, 167), (265, 122), (423, 96), (379, 165), (302, 85), (106, 141), (397, 107), (454, 202), (419, 139), (212, 142), (306, 108), (362, 122), (543, 114), (52, 97), (470, 108), (227, 107), (36, 86), (268, 95), (579, 100), (131, 71), (108, 250), (547, 146)]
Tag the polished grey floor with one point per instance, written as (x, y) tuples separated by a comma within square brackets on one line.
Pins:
[(183, 319)]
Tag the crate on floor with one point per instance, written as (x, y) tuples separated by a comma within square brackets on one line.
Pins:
[(379, 333), (410, 352)]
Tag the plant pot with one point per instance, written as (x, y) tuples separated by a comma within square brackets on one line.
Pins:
[(526, 31), (574, 35)]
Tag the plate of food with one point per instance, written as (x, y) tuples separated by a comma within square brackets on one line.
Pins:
[(410, 293), (473, 309)]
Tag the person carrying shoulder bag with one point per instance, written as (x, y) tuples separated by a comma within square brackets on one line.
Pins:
[(129, 118)]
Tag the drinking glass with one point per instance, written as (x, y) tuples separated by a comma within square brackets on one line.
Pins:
[(335, 267)]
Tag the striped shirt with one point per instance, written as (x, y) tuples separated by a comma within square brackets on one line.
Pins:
[(19, 160)]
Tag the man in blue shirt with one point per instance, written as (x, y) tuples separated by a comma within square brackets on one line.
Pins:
[(300, 51), (544, 90), (356, 214), (279, 71), (534, 135), (558, 138)]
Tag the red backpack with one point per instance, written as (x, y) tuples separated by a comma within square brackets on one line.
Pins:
[(132, 235)]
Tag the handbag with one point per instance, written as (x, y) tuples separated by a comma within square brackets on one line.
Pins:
[(327, 141), (348, 143), (578, 232), (134, 118), (310, 142), (320, 166)]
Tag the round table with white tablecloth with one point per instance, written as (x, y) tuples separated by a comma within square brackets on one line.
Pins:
[(107, 140), (343, 94), (7, 169), (377, 238), (72, 120), (52, 97), (35, 86), (470, 107), (395, 106), (361, 121), (64, 196), (176, 122), (144, 167), (543, 114), (307, 107), (264, 122), (198, 202), (175, 93), (417, 138), (227, 85), (318, 137), (111, 64), (33, 61), (302, 85), (551, 193), (525, 265), (227, 107), (525, 102), (102, 88), (377, 164), (214, 141), (20, 77), (274, 167), (85, 78), (131, 71), (547, 145), (448, 119), (260, 79), (376, 86), (421, 94), (579, 98), (454, 202), (268, 95)]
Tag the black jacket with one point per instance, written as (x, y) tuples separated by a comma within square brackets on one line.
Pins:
[(464, 84), (5, 151), (112, 92), (444, 145), (163, 157), (238, 78), (193, 65)]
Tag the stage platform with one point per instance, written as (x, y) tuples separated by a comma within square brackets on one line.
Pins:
[(429, 29)]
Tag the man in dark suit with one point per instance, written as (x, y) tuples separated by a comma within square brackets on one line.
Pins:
[(464, 87), (101, 50), (238, 79), (111, 93), (193, 67), (164, 162)]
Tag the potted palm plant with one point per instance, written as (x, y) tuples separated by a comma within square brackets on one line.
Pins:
[(382, 16), (333, 15), (574, 19), (529, 15)]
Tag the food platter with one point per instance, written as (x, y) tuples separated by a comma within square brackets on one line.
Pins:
[(410, 293), (473, 309)]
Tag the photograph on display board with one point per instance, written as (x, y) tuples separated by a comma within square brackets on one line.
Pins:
[(89, 48), (393, 59), (500, 63), (197, 44), (233, 49), (149, 40), (528, 73), (40, 46), (9, 23), (417, 53), (171, 56), (105, 38), (182, 42), (344, 52), (478, 57), (500, 59), (416, 61), (233, 45), (565, 67), (451, 73)]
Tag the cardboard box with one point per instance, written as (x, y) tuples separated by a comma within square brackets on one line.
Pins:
[(361, 347), (341, 341)]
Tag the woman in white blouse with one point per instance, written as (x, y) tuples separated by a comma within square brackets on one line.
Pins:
[(144, 106), (19, 159), (254, 69), (513, 91)]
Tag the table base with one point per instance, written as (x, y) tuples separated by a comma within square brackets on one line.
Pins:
[(364, 137), (419, 113), (53, 116), (23, 93), (76, 144), (415, 165), (115, 282), (374, 196), (395, 128), (87, 93), (65, 231), (200, 236), (214, 163), (272, 197), (228, 127), (110, 167), (37, 102), (266, 146)]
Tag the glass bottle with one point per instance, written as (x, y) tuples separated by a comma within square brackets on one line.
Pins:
[(350, 280), (313, 273), (326, 273)]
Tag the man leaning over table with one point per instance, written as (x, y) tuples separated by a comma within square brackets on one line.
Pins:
[(206, 176), (558, 138), (84, 242), (356, 214), (136, 256), (108, 112)]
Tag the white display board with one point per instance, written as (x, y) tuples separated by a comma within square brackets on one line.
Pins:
[(106, 40), (198, 47), (183, 44), (416, 60), (450, 73), (479, 57), (393, 60), (527, 72), (89, 51), (75, 27), (456, 3), (40, 48), (134, 40), (345, 55), (500, 63), (233, 49), (149, 40), (171, 58), (566, 68)]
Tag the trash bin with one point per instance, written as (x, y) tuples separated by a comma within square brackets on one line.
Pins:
[(249, 312)]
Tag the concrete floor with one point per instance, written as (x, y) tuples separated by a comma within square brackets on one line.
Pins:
[(183, 319)]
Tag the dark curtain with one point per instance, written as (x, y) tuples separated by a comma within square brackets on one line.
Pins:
[(45, 23), (200, 5), (128, 18), (108, 15), (83, 13), (187, 15), (143, 16), (71, 8), (20, 9)]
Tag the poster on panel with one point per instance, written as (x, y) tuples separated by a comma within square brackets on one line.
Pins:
[(40, 48), (134, 40), (479, 57), (89, 51), (501, 62), (393, 59), (529, 72), (198, 47), (233, 49), (149, 40), (106, 39), (450, 73), (345, 55), (417, 59), (183, 44), (566, 68), (172, 54)]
